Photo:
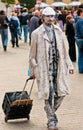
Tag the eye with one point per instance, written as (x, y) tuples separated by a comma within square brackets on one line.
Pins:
[(48, 16), (51, 15)]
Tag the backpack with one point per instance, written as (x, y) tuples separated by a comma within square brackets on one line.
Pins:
[(13, 24), (3, 22)]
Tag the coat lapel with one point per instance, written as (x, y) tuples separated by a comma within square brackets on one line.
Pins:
[(46, 37)]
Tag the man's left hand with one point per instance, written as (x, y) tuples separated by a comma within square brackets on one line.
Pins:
[(71, 71)]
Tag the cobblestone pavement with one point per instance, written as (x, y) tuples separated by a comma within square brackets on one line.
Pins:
[(13, 73)]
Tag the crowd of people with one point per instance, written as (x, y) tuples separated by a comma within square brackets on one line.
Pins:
[(49, 59), (21, 21)]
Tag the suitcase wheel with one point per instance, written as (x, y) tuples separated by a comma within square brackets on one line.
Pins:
[(28, 117), (6, 119)]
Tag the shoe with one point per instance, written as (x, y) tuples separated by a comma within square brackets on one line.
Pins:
[(52, 128), (17, 45), (12, 46), (5, 48), (20, 38)]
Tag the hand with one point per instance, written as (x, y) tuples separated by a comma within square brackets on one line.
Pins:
[(71, 71), (32, 77)]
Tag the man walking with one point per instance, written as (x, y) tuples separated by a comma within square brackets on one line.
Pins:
[(34, 22), (50, 64), (4, 29), (79, 38)]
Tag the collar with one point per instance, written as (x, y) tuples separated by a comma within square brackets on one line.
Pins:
[(47, 28)]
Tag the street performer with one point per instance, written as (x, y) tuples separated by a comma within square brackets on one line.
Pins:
[(50, 65)]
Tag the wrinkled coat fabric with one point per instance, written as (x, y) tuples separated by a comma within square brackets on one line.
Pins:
[(38, 60)]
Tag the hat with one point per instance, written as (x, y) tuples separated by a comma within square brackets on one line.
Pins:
[(48, 11)]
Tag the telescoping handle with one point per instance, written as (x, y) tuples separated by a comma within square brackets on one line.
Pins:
[(30, 78)]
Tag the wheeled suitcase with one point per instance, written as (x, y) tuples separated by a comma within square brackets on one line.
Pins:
[(17, 104)]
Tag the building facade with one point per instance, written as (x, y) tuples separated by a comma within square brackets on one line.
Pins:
[(65, 1)]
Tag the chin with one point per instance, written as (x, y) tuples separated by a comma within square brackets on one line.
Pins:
[(49, 24)]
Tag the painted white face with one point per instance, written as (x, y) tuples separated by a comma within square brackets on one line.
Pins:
[(48, 19)]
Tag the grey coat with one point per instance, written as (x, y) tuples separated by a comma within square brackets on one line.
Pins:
[(38, 60)]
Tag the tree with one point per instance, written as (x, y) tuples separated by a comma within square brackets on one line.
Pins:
[(8, 1), (28, 3)]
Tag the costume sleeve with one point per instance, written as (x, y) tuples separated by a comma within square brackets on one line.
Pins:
[(33, 53)]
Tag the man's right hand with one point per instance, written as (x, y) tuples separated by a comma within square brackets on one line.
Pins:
[(32, 77)]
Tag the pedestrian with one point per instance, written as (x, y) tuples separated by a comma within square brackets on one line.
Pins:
[(4, 29), (79, 38), (24, 20), (50, 65), (34, 22), (14, 24), (19, 30), (70, 33)]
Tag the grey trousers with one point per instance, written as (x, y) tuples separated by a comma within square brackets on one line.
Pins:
[(50, 110)]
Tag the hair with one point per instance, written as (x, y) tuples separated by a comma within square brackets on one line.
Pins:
[(68, 17), (25, 9), (2, 12), (79, 11), (13, 13), (37, 13)]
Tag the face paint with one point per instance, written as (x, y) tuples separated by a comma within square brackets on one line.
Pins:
[(48, 19)]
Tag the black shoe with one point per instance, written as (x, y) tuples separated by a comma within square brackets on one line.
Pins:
[(17, 45), (20, 38), (12, 46), (5, 48)]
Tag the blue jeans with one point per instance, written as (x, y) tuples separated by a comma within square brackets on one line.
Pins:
[(25, 29), (79, 43), (19, 32), (4, 36), (14, 37)]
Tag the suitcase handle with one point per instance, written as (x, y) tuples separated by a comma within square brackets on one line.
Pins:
[(25, 86), (30, 78), (31, 85)]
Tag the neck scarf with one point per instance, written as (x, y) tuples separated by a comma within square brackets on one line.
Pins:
[(53, 68)]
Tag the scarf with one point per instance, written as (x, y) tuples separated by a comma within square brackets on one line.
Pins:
[(53, 68)]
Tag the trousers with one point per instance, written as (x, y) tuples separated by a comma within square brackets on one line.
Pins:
[(50, 110)]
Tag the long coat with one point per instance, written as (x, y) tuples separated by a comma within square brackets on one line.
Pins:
[(38, 60)]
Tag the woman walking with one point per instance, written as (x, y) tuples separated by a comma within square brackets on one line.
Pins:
[(4, 29), (71, 37), (14, 24)]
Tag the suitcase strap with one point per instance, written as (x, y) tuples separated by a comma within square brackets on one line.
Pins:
[(22, 102)]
